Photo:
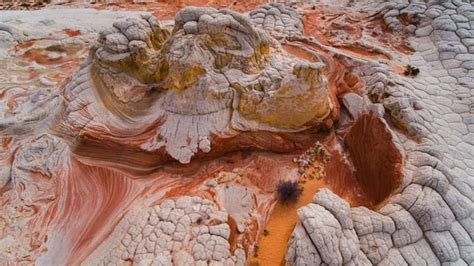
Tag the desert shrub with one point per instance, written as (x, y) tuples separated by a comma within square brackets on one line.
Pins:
[(288, 192), (266, 232), (411, 70)]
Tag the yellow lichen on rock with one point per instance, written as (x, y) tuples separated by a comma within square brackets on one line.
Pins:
[(299, 99)]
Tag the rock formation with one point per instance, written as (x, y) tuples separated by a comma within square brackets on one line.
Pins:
[(158, 137), (429, 220), (213, 75)]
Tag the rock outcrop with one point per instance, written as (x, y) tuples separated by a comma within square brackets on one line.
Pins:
[(214, 76), (182, 232), (429, 221)]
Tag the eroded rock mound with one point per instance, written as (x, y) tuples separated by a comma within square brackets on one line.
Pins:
[(177, 91)]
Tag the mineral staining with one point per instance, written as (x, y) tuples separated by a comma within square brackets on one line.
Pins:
[(161, 137)]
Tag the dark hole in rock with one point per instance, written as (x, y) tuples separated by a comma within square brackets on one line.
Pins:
[(377, 161)]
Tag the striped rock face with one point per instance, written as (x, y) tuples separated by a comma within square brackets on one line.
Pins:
[(213, 76)]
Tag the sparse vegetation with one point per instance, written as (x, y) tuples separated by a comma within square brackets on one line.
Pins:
[(265, 232), (411, 70), (288, 192), (311, 163)]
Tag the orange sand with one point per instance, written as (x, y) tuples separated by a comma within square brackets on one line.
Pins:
[(272, 248)]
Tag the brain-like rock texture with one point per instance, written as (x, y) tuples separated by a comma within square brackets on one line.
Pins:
[(159, 137), (181, 231), (213, 76), (429, 221)]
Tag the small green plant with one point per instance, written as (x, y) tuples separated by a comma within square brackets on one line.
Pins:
[(411, 70), (288, 192), (265, 232)]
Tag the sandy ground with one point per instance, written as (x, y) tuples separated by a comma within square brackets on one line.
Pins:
[(272, 248)]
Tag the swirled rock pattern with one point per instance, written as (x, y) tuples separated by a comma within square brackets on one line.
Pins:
[(158, 137), (212, 75), (277, 19)]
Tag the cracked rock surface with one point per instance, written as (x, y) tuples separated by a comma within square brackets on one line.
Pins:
[(186, 230), (213, 75), (429, 220)]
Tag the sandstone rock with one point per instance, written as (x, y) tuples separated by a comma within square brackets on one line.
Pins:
[(325, 234), (424, 222), (198, 82), (354, 104), (182, 243), (277, 19)]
